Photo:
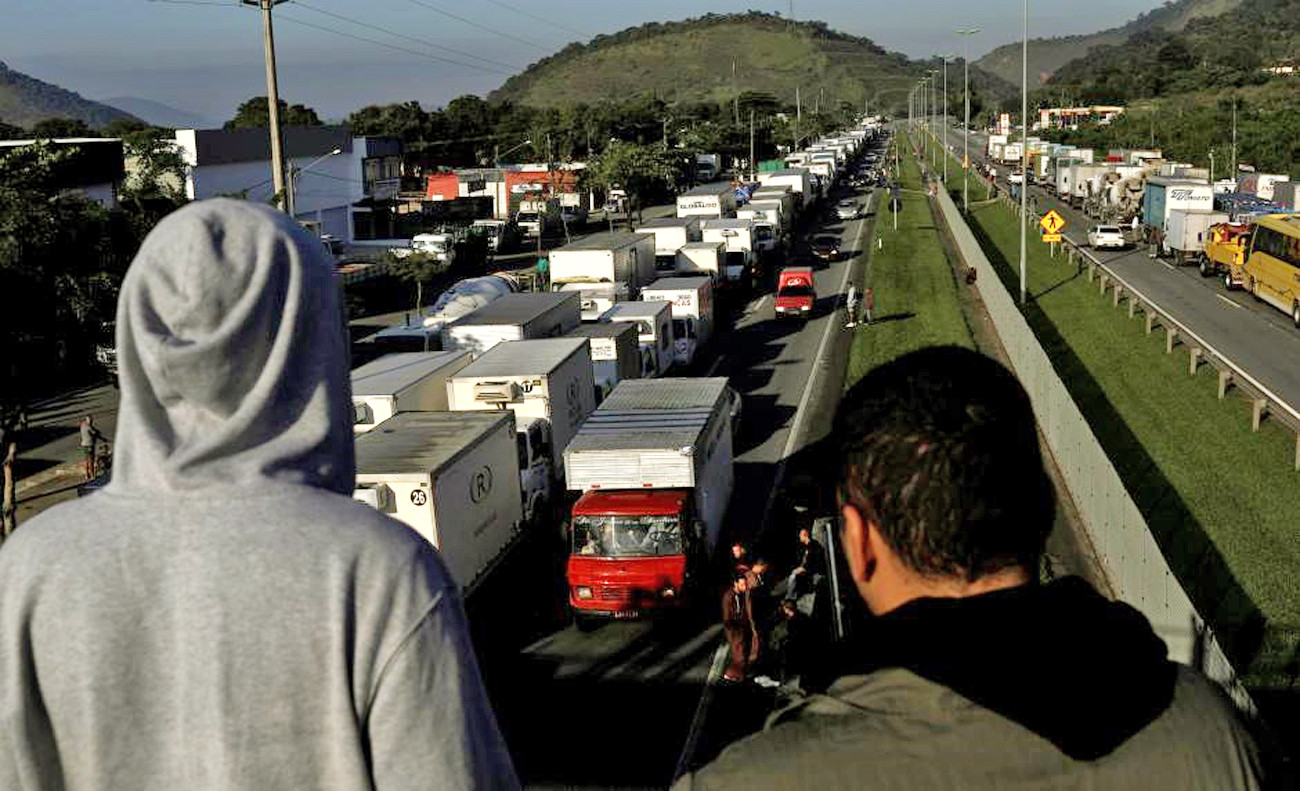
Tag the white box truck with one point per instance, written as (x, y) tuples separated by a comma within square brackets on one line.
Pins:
[(548, 385), (453, 477), (514, 317), (654, 322), (798, 180), (654, 463), (603, 269), (615, 353), (692, 312), (738, 235), (708, 200), (1186, 231), (704, 258), (671, 234), (406, 382)]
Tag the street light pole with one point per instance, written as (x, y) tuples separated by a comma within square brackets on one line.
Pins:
[(1024, 139), (273, 104), (293, 174), (945, 120), (965, 131), (934, 105)]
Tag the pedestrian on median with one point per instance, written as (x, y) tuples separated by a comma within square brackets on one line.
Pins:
[(90, 439), (977, 676), (223, 615), (738, 625)]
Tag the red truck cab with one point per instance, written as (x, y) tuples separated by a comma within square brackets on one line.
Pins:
[(795, 292), (632, 552)]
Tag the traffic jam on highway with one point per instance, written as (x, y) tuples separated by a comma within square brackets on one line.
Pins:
[(609, 420)]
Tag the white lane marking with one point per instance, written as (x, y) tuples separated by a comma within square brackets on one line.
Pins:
[(1168, 266), (701, 710), (1231, 302)]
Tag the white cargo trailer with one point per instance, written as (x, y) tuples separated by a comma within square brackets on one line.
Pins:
[(547, 382), (453, 477), (615, 353), (692, 312), (654, 321), (798, 180), (603, 269), (1185, 233), (514, 317), (738, 235), (708, 200), (407, 382), (660, 434), (703, 258), (671, 234)]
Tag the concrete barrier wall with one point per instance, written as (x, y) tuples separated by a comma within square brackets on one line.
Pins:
[(1127, 551)]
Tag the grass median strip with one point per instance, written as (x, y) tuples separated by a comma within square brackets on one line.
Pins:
[(916, 301), (1221, 501)]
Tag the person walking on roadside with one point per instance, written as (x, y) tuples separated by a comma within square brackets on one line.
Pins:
[(738, 624), (90, 439), (223, 615), (976, 675)]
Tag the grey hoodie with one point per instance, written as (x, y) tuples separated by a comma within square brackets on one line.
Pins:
[(223, 615)]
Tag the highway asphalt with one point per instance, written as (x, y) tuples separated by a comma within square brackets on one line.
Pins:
[(1257, 337), (613, 707)]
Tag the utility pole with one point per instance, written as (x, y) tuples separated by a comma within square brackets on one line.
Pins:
[(945, 121), (798, 110), (753, 166), (1234, 166), (965, 131), (735, 97), (273, 104), (1024, 139)]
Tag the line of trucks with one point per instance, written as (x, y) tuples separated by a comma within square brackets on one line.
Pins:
[(498, 406), (1173, 207)]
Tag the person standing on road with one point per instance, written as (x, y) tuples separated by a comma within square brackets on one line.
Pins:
[(810, 565), (738, 624), (90, 439), (223, 615), (977, 676)]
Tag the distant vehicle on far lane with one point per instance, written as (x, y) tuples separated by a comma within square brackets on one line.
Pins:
[(847, 210), (1106, 236), (826, 248)]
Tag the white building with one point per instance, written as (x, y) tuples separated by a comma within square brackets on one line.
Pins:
[(94, 170), (339, 182)]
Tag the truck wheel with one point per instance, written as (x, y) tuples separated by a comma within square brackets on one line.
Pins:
[(1295, 314), (1206, 270), (1227, 280)]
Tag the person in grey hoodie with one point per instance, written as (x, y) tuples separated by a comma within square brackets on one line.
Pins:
[(223, 615)]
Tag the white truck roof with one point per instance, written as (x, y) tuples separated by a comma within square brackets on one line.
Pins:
[(514, 309), (704, 246), (605, 240), (683, 283), (670, 222), (523, 358), (417, 443), (643, 414), (725, 222), (393, 373), (603, 329), (716, 188), (662, 394), (643, 309)]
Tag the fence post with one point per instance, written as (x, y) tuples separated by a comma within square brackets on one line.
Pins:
[(1132, 306), (1118, 293), (1151, 320), (1224, 378), (1171, 335), (1196, 358), (1257, 407)]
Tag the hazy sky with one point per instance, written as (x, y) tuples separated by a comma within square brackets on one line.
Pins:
[(205, 56)]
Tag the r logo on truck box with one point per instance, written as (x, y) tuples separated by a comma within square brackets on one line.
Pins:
[(480, 484)]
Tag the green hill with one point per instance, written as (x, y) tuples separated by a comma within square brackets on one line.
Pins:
[(25, 100), (1208, 54), (691, 61), (1047, 55)]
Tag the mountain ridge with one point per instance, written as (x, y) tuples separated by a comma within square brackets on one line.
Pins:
[(25, 100)]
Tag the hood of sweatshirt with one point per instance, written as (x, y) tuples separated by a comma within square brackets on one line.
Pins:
[(1083, 672), (232, 356)]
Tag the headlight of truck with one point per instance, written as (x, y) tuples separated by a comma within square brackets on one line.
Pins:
[(667, 593), (804, 307), (583, 592)]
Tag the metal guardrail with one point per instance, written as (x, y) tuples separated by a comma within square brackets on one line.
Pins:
[(1263, 400)]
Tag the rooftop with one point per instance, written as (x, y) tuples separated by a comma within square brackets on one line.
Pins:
[(603, 329), (670, 222), (715, 188), (523, 358), (395, 372), (637, 310), (420, 442), (605, 240), (516, 308), (683, 283)]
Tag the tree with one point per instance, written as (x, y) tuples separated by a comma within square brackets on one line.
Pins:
[(639, 170), (10, 132), (154, 187), (256, 113), (417, 268), (51, 128)]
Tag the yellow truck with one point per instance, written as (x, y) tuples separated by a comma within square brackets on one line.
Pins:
[(1225, 253)]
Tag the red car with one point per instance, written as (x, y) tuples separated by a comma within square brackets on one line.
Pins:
[(795, 292)]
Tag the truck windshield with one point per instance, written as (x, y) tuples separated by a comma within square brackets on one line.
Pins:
[(796, 291), (627, 536)]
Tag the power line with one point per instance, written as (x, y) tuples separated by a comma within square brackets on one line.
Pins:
[(472, 23), (340, 17), (194, 2), (387, 45), (544, 20)]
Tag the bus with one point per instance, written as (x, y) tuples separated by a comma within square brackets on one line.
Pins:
[(1273, 268)]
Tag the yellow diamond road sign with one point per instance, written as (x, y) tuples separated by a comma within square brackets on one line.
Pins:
[(1052, 222)]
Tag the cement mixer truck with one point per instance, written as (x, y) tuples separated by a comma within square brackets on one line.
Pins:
[(463, 297)]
